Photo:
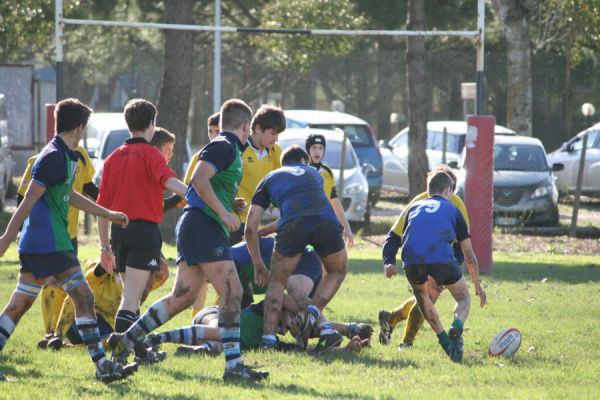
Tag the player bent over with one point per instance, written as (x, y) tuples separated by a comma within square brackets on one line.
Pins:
[(45, 248), (307, 217), (430, 228)]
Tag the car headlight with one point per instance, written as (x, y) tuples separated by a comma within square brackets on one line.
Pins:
[(354, 189), (541, 191)]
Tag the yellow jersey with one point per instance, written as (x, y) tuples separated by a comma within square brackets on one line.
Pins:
[(398, 227), (83, 174), (328, 180)]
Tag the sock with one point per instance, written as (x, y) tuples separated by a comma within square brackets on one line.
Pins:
[(459, 324), (90, 334), (414, 323), (7, 327), (269, 340), (124, 320), (156, 316), (401, 313), (325, 328), (444, 340), (189, 335), (230, 337)]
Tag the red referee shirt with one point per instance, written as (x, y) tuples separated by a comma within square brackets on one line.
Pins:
[(133, 181)]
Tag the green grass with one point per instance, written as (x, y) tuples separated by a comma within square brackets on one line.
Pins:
[(553, 299)]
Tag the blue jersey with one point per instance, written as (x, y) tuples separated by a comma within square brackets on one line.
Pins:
[(45, 229), (297, 190), (430, 228)]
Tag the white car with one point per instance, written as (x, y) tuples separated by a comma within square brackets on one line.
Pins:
[(356, 188), (567, 157), (395, 151)]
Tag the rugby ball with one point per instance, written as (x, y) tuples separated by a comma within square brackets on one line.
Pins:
[(506, 343)]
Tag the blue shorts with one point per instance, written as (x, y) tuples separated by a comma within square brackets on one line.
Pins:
[(310, 266), (43, 265), (200, 239), (444, 274), (323, 235)]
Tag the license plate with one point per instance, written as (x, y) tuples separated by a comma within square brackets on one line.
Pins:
[(511, 221)]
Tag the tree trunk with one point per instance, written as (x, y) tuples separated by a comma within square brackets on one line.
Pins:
[(417, 93), (175, 90), (513, 15)]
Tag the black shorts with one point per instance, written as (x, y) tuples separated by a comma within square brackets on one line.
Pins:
[(443, 274), (323, 235), (200, 239), (137, 246), (43, 265)]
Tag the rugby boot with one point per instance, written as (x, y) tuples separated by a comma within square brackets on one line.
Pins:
[(364, 331), (153, 341), (150, 357), (110, 371), (456, 344), (243, 373), (120, 346), (385, 334), (204, 349)]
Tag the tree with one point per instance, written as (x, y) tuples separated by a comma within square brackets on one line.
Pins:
[(175, 89), (417, 94)]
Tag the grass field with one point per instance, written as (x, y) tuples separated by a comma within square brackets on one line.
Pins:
[(553, 299)]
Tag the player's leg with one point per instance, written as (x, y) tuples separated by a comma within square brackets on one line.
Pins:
[(204, 327), (51, 301), (389, 319), (298, 288), (415, 318), (200, 299)]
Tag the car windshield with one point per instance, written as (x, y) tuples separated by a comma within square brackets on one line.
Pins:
[(435, 141), (359, 135), (333, 153), (114, 140), (519, 157)]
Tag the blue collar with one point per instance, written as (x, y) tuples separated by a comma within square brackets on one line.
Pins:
[(232, 138), (62, 146)]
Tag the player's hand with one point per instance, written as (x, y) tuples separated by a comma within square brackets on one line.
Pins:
[(482, 296), (231, 222), (390, 270), (118, 217), (107, 260), (356, 344), (239, 205), (261, 275), (349, 237)]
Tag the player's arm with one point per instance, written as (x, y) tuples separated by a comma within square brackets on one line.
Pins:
[(390, 249), (462, 234), (271, 227), (255, 214), (83, 203), (341, 216), (176, 186), (32, 195)]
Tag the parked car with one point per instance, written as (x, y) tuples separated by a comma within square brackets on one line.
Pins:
[(104, 133), (568, 156), (395, 151), (524, 187), (360, 134), (356, 188), (6, 161)]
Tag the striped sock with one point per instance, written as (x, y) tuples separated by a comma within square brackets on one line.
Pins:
[(326, 329), (156, 316), (7, 326), (230, 337), (189, 335), (124, 320), (90, 334)]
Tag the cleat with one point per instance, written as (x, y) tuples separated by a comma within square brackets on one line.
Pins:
[(153, 341), (385, 335), (328, 342), (204, 349), (455, 349), (43, 344), (405, 346), (242, 372), (110, 371), (364, 331), (55, 343), (119, 346), (150, 357)]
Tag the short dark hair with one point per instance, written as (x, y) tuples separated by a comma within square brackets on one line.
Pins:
[(162, 137), (234, 112), (269, 117), (69, 114), (447, 170), (213, 120), (438, 182), (139, 113), (294, 153)]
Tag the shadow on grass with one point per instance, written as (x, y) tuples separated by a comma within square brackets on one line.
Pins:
[(365, 359)]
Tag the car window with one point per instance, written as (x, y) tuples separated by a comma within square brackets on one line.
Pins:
[(359, 135), (400, 140), (519, 157), (333, 153), (593, 137), (114, 140), (290, 123), (435, 141)]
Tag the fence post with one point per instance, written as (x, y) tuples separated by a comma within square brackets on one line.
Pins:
[(578, 187)]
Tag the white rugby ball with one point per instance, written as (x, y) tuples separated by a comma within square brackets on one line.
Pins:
[(506, 343)]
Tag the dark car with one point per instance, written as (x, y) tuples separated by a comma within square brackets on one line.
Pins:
[(359, 133), (524, 189)]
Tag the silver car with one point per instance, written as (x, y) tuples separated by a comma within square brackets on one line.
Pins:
[(356, 188), (395, 151), (567, 158)]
